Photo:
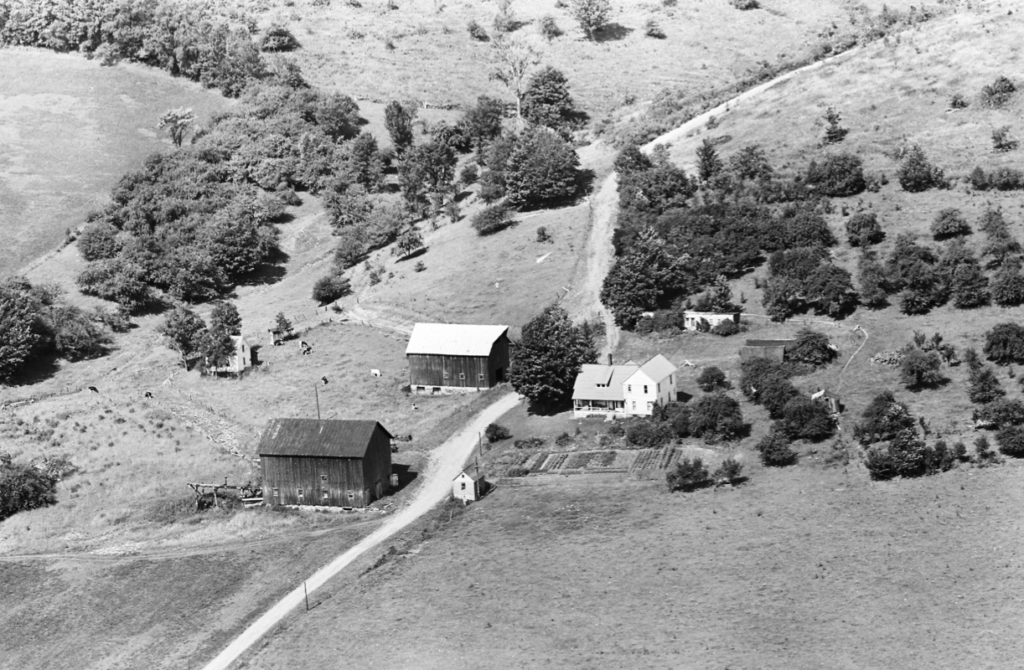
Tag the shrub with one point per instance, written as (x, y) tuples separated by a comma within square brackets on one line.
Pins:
[(1005, 343), (916, 174), (755, 373), (729, 472), (862, 230), (1001, 140), (542, 234), (592, 15), (837, 176), (516, 471), (24, 487), (1011, 441), (688, 475), (549, 28), (563, 440), (1001, 412), (834, 133), (477, 32), (984, 386), (711, 378), (921, 369), (278, 38), (745, 4), (677, 417), (98, 241), (883, 418), (1008, 285), (652, 29), (716, 417), (950, 222), (998, 93), (958, 101), (469, 174), (529, 443), (725, 328), (775, 450), (330, 288), (648, 434), (812, 347), (983, 453), (492, 219), (496, 432), (803, 418)]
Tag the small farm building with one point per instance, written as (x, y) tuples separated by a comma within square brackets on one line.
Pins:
[(771, 349), (445, 357), (624, 390), (243, 358), (468, 486), (334, 463), (693, 320), (831, 400)]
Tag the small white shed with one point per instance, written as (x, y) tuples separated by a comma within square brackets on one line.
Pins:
[(468, 486)]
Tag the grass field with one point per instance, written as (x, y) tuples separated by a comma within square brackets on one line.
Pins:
[(802, 568), (433, 59), (68, 130)]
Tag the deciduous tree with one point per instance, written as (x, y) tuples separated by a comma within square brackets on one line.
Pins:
[(184, 331), (549, 357)]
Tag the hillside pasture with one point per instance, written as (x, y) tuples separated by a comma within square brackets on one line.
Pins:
[(69, 129), (799, 568)]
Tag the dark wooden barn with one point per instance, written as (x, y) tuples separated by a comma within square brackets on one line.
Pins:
[(772, 349), (332, 463), (456, 357)]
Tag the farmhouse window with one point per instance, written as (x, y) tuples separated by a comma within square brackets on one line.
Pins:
[(445, 374), (463, 486), (300, 494), (351, 495), (277, 493), (629, 388), (645, 389), (326, 495), (462, 376), (634, 404), (323, 478), (481, 378)]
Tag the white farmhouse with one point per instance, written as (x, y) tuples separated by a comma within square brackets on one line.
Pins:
[(624, 390)]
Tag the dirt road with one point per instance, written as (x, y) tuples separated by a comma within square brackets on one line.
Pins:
[(445, 463), (600, 254)]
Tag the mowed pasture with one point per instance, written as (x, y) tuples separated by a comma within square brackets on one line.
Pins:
[(422, 49), (799, 568), (69, 129)]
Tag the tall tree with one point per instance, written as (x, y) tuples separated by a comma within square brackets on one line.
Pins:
[(225, 317), (18, 333), (398, 122), (483, 122), (184, 331), (547, 102), (708, 162), (640, 278), (542, 169), (592, 15), (549, 357), (515, 60), (177, 122)]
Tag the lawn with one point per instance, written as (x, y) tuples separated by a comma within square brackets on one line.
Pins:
[(801, 568), (68, 130)]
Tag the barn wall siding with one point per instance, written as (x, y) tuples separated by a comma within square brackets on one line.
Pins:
[(288, 474), (477, 371)]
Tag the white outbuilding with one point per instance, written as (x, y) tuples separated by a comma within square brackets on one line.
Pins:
[(468, 486)]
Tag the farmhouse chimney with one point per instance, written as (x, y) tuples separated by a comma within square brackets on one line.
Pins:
[(610, 360)]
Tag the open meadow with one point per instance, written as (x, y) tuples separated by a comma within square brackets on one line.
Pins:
[(68, 130)]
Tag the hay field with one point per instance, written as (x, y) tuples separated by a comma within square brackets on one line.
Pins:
[(708, 43), (69, 129), (801, 568)]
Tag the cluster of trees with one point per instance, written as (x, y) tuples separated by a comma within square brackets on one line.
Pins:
[(23, 486), (670, 244), (187, 333), (923, 359), (714, 417), (201, 41), (690, 475), (924, 278), (549, 356), (35, 321), (894, 445)]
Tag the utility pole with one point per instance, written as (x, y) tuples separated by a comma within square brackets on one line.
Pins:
[(306, 591), (316, 392)]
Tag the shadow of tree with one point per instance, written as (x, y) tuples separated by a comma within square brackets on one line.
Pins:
[(612, 32)]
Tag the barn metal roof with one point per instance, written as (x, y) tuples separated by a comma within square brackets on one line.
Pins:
[(453, 339), (601, 382), (333, 438), (769, 343)]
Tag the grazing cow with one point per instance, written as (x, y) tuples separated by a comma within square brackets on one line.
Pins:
[(375, 372), (414, 406), (94, 389), (324, 380), (148, 394)]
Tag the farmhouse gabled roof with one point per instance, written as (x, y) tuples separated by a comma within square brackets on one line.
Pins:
[(475, 475), (333, 438), (602, 382), (453, 339), (658, 367)]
